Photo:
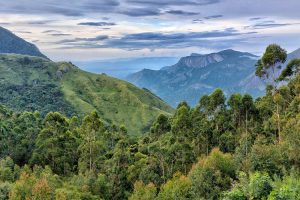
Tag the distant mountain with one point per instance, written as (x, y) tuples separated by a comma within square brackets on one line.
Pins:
[(294, 54), (196, 75), (33, 83), (10, 43), (121, 68)]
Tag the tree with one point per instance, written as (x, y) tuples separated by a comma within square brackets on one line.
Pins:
[(292, 69), (288, 188), (161, 125), (217, 100), (177, 188), (291, 140), (181, 122), (266, 157), (212, 175), (91, 147), (142, 191), (247, 106), (273, 57), (235, 103), (5, 188), (56, 145), (259, 185), (38, 184)]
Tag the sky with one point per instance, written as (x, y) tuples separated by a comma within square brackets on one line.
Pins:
[(84, 30)]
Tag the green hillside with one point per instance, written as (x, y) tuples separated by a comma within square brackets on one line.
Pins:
[(32, 83)]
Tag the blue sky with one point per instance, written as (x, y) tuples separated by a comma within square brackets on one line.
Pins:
[(105, 29)]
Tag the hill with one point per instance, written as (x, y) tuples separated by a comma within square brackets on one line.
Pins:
[(10, 43), (32, 83), (196, 75)]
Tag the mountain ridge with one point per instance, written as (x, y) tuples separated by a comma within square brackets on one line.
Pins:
[(31, 83), (197, 74)]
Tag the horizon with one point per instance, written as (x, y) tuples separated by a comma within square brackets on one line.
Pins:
[(120, 29)]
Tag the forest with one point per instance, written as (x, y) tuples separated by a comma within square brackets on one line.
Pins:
[(233, 148)]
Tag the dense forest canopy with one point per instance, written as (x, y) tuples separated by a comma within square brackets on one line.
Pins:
[(233, 149)]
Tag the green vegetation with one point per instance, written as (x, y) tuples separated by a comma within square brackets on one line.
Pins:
[(231, 149), (36, 84)]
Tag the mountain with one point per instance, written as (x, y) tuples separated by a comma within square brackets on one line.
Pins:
[(121, 68), (196, 75), (33, 83), (10, 43)]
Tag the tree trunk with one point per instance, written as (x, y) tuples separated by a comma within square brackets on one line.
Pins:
[(246, 132), (278, 123)]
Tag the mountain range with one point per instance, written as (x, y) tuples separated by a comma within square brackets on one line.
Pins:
[(196, 75), (35, 83)]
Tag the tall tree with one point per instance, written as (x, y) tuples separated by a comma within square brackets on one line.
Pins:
[(273, 58), (91, 147), (247, 106)]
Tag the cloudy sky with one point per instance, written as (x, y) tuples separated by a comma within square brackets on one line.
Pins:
[(104, 29)]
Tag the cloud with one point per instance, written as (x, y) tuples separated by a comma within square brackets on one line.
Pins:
[(26, 32), (60, 34), (76, 40), (173, 2), (51, 31), (133, 8), (197, 21), (141, 12), (181, 12), (181, 36), (97, 24), (57, 7), (157, 40), (213, 16), (268, 24), (40, 22), (255, 18)]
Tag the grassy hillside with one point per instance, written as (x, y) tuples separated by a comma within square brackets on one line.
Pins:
[(32, 83)]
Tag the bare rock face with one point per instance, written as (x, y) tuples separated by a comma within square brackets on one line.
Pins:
[(59, 74), (200, 61)]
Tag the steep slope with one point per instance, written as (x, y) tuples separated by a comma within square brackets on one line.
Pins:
[(10, 43), (33, 83), (196, 75)]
